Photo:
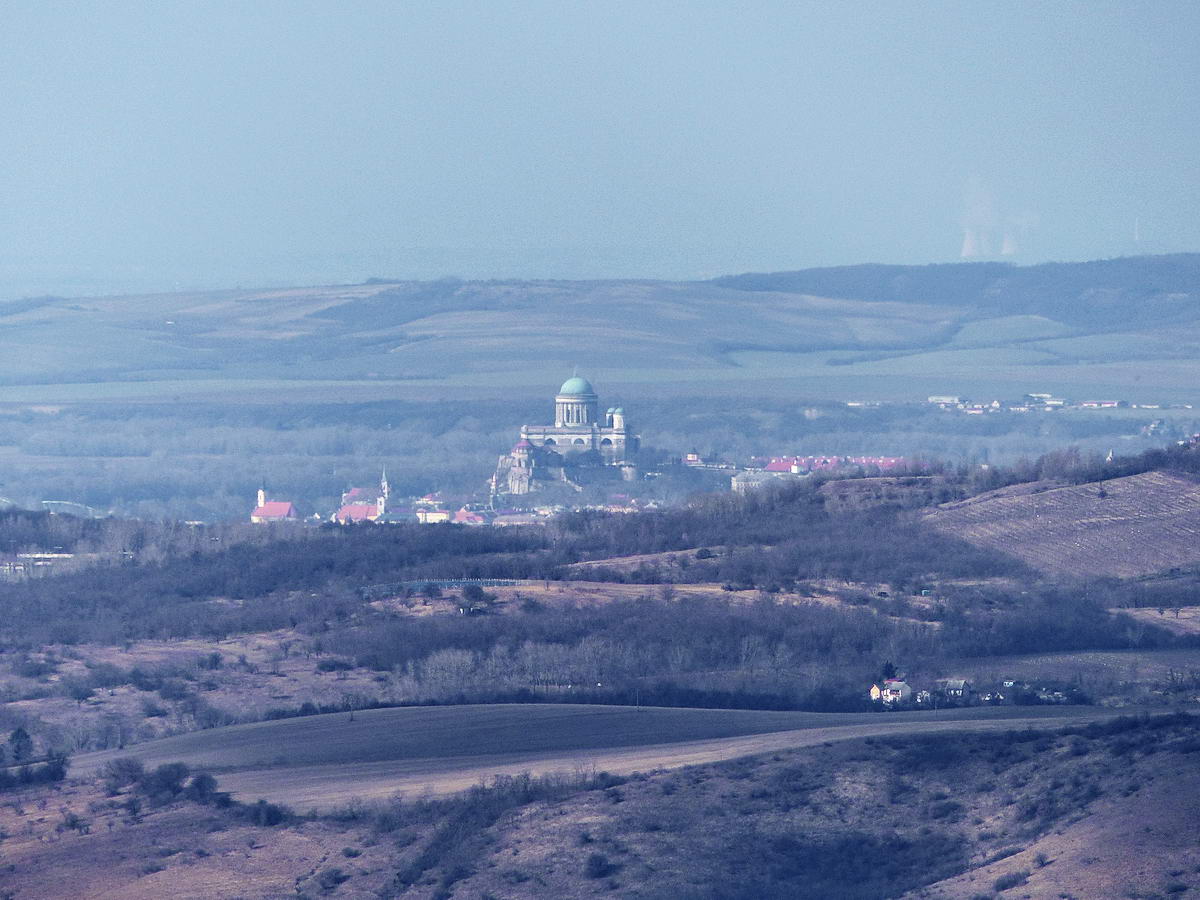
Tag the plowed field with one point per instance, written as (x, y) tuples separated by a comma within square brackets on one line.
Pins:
[(1122, 527)]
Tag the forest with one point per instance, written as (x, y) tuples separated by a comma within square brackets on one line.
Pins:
[(944, 600), (204, 461)]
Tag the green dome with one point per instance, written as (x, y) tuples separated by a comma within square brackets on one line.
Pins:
[(576, 385)]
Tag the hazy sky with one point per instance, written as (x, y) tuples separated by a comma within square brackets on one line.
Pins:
[(149, 145)]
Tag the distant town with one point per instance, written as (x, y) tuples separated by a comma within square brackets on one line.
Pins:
[(585, 450)]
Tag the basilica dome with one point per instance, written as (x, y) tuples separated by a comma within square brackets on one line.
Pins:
[(577, 386)]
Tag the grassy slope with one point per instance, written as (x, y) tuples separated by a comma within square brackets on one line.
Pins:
[(1122, 527), (952, 328), (1112, 808), (872, 819), (319, 761)]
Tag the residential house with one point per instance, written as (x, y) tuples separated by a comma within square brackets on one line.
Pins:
[(957, 689), (893, 690)]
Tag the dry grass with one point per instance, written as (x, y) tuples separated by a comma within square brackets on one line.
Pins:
[(1111, 811), (186, 852), (1177, 620), (321, 761), (1129, 847), (258, 672), (1123, 527)]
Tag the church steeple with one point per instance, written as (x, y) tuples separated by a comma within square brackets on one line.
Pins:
[(262, 494)]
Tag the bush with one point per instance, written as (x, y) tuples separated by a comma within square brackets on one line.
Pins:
[(202, 788), (598, 866), (267, 814), (1011, 880), (120, 772), (165, 783), (331, 878), (175, 689)]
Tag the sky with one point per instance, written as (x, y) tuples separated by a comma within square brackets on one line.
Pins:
[(163, 145)]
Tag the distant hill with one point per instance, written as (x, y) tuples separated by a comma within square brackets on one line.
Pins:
[(1089, 294), (1114, 327), (1121, 527)]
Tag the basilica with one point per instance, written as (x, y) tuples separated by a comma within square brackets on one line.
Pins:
[(580, 443)]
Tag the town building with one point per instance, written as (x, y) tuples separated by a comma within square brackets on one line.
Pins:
[(357, 506), (581, 439), (272, 510), (578, 426)]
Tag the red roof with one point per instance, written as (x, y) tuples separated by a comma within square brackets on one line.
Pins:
[(357, 512), (275, 509)]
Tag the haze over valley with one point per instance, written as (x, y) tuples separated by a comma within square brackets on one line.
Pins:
[(673, 451)]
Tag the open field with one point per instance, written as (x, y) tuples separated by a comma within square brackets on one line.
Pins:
[(881, 332), (1177, 620), (1111, 809), (321, 761), (1122, 527)]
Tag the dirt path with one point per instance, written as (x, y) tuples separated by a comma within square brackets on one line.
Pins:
[(321, 787)]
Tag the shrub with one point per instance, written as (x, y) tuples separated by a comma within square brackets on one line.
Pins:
[(120, 772), (1011, 880), (267, 814), (202, 788), (175, 689), (20, 745), (165, 783), (598, 866), (152, 710), (331, 878)]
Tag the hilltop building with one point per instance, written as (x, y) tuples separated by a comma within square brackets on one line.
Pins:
[(579, 440)]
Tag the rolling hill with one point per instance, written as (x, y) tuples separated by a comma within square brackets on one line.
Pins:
[(323, 761), (1122, 527), (1112, 327)]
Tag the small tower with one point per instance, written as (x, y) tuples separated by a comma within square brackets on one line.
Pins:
[(262, 495)]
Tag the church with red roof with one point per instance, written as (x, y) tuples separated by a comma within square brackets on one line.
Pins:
[(272, 510)]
